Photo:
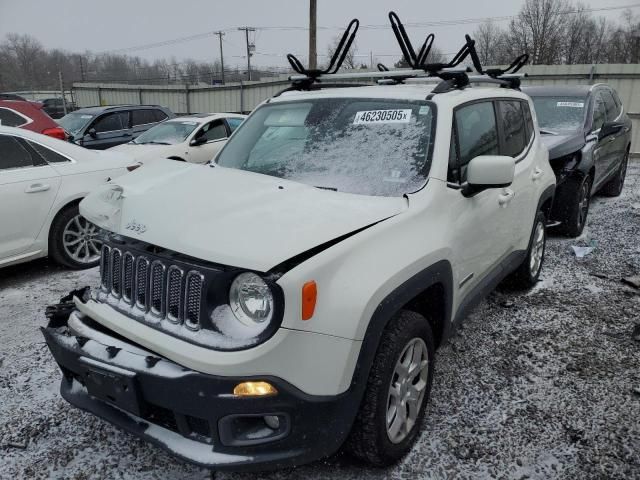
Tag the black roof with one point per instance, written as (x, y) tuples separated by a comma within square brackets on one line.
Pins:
[(558, 90)]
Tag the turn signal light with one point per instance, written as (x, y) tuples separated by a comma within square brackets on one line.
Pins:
[(254, 389), (309, 296)]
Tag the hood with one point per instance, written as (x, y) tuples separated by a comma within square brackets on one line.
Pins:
[(229, 216), (561, 145), (146, 151)]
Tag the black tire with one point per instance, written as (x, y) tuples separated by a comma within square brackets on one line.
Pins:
[(369, 440), (526, 276), (577, 195), (56, 240), (613, 188)]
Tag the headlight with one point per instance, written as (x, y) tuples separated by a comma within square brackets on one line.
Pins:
[(251, 300)]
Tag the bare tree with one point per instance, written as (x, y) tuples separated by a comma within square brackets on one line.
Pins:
[(350, 61), (490, 40), (539, 30)]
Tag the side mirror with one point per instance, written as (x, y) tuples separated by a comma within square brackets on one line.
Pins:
[(610, 128), (198, 141), (92, 133), (488, 171)]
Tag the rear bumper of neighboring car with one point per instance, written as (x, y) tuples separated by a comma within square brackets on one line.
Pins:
[(193, 415)]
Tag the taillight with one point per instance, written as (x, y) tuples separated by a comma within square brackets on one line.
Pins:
[(56, 132)]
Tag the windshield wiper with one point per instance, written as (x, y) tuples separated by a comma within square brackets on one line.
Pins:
[(544, 131), (333, 189)]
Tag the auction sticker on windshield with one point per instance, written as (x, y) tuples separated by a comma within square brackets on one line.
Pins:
[(401, 115), (570, 104)]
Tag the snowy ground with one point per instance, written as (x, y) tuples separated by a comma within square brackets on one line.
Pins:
[(539, 385)]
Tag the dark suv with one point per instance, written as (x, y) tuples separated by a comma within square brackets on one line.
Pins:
[(588, 134), (55, 107), (104, 127)]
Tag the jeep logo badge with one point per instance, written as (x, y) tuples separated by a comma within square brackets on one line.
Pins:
[(136, 227)]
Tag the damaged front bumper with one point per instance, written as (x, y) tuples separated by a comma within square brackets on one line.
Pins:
[(195, 416)]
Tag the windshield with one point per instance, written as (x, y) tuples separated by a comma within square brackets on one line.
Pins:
[(560, 114), (355, 145), (167, 133), (74, 122)]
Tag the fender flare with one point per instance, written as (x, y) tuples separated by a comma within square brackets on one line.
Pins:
[(438, 273)]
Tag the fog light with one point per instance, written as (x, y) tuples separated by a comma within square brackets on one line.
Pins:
[(254, 389), (272, 421)]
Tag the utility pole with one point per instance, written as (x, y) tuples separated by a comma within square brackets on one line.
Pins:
[(64, 100), (82, 76), (220, 35), (250, 46), (313, 53)]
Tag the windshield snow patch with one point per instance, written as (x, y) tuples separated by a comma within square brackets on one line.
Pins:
[(363, 146)]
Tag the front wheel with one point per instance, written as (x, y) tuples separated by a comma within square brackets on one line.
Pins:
[(578, 198), (527, 274), (73, 240), (614, 187), (397, 391)]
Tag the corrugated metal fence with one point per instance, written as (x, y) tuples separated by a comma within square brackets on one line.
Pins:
[(246, 96)]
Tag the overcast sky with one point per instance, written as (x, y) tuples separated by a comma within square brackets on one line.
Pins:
[(119, 24)]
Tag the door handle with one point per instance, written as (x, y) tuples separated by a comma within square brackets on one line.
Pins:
[(37, 187), (537, 173), (505, 197)]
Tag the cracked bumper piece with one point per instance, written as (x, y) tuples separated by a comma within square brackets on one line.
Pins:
[(193, 415)]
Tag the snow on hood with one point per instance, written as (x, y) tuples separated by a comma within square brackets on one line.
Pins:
[(234, 217), (560, 145), (144, 152)]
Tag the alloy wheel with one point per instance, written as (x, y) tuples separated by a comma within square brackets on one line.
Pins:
[(80, 240), (583, 204), (537, 250), (407, 390)]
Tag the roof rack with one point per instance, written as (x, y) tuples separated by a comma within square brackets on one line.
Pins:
[(452, 77)]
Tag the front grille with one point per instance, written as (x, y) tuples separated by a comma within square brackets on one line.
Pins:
[(116, 272), (155, 286), (174, 293), (142, 272), (127, 277), (194, 282)]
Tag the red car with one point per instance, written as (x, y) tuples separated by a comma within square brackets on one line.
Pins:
[(30, 116)]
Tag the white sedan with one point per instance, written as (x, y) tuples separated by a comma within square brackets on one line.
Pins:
[(195, 138), (42, 181)]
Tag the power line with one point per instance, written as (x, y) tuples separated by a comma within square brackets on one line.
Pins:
[(435, 23)]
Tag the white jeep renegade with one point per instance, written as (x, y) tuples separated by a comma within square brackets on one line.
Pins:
[(289, 298)]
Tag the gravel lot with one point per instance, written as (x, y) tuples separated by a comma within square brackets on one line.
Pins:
[(541, 385)]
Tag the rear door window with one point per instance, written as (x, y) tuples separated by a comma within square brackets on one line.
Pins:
[(513, 127), (14, 155), (142, 117), (159, 115), (48, 155), (528, 120), (10, 118), (112, 122)]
